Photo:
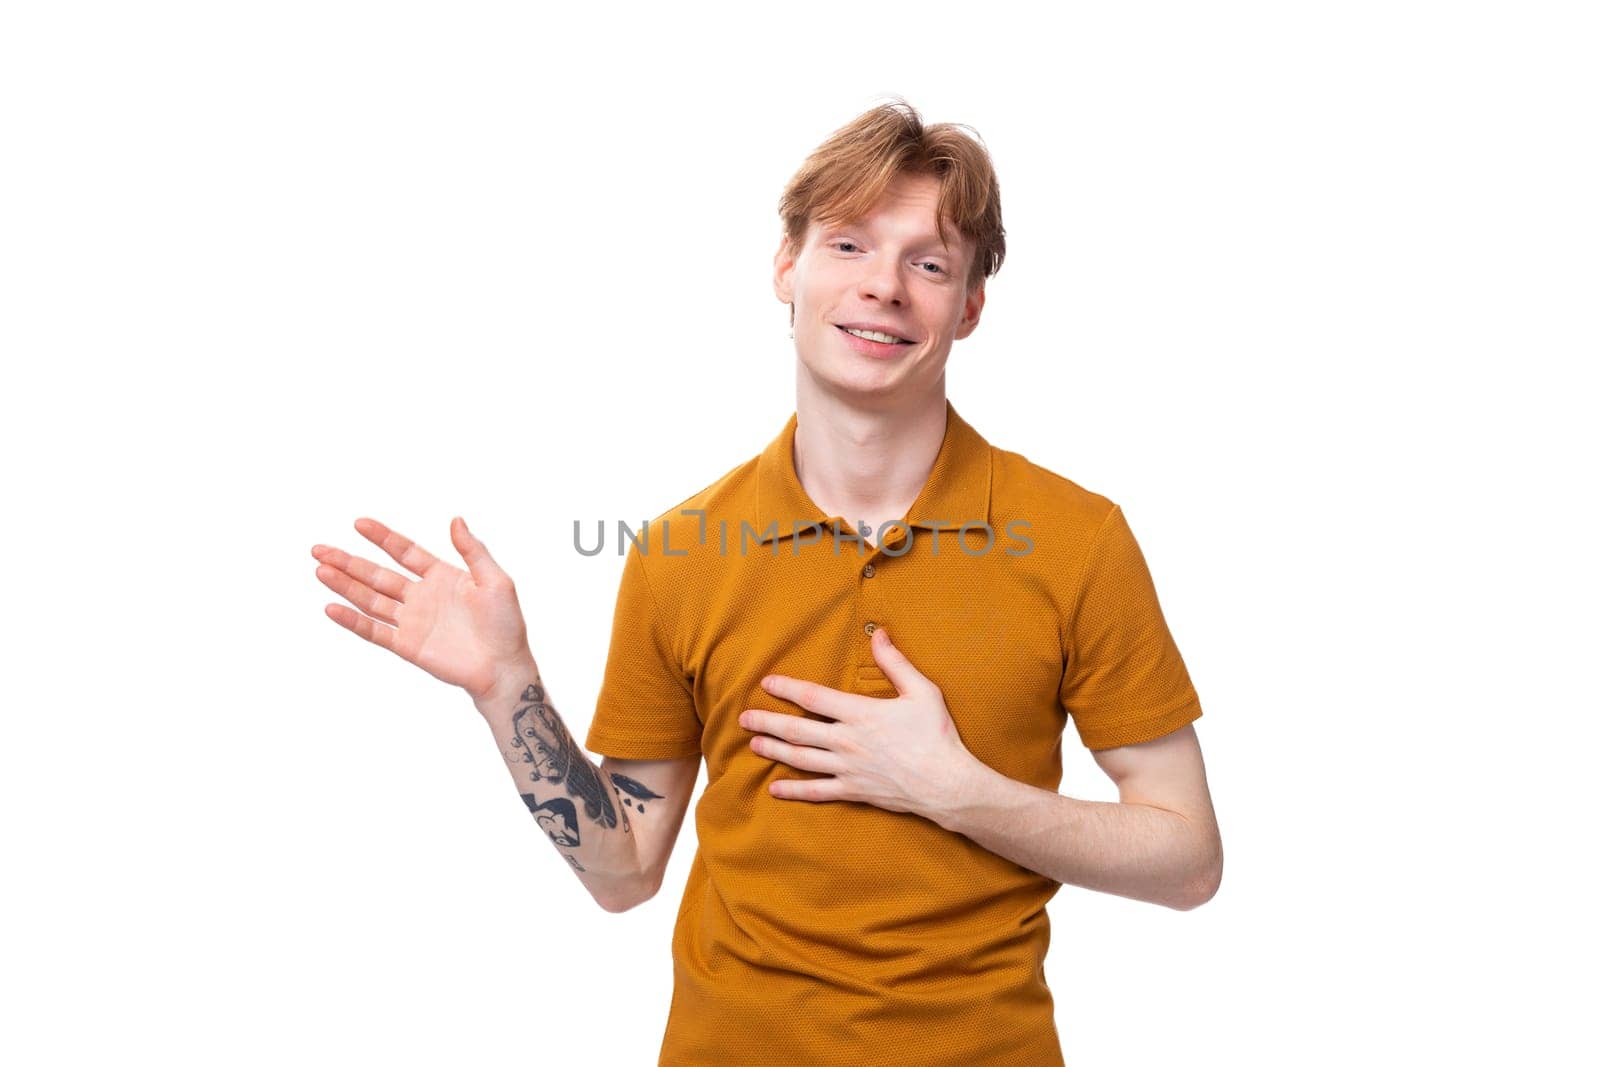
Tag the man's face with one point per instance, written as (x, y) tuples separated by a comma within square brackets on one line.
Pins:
[(885, 272)]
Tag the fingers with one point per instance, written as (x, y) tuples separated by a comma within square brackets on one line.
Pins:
[(800, 757), (384, 580), (897, 667), (807, 789), (812, 696), (377, 633), (481, 565), (401, 549), (795, 728), (358, 593)]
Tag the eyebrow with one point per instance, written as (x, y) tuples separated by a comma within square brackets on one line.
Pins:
[(925, 239)]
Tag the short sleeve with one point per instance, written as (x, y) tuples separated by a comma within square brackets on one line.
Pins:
[(646, 705), (1124, 680)]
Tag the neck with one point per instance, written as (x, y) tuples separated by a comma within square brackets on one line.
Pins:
[(866, 462)]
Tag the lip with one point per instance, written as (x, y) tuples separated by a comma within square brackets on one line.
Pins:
[(875, 349), (878, 327)]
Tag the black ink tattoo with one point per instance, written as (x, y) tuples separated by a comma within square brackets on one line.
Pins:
[(557, 817), (543, 741), (636, 790), (573, 860)]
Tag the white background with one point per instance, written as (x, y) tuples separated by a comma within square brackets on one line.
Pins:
[(1308, 289)]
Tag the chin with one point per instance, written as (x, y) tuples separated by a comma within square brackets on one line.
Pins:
[(841, 382)]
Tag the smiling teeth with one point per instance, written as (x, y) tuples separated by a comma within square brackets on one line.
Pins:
[(874, 335)]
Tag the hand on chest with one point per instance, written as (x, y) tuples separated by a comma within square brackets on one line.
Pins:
[(992, 648)]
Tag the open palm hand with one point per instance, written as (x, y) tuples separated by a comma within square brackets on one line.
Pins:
[(464, 627)]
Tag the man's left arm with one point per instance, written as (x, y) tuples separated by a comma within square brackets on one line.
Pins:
[(1158, 843)]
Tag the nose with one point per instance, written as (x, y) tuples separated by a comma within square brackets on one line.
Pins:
[(881, 281)]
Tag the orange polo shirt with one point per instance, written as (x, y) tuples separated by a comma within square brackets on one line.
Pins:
[(837, 932)]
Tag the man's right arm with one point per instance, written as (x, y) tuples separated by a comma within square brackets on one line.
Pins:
[(591, 814)]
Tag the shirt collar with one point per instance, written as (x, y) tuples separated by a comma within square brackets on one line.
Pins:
[(956, 492)]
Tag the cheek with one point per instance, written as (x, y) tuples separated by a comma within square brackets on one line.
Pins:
[(820, 282)]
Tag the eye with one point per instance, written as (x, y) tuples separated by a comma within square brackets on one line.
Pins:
[(837, 244), (937, 269)]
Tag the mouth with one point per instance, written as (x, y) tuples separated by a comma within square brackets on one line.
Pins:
[(866, 346), (881, 339)]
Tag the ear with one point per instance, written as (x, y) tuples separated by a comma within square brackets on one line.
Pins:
[(970, 313), (783, 272)]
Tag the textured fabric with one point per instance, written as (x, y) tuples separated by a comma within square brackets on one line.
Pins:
[(837, 932)]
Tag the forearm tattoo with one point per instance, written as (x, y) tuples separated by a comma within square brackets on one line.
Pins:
[(540, 742)]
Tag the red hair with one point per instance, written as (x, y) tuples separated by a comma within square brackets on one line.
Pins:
[(847, 174)]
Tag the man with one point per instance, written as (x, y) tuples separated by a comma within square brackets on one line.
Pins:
[(874, 633)]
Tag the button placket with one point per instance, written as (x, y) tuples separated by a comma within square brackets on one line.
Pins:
[(872, 600)]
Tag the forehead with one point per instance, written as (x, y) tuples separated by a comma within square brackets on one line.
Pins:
[(907, 209)]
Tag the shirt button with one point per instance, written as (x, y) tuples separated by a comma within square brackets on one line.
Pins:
[(871, 626), (868, 571)]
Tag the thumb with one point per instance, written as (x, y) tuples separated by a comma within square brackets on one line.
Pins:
[(479, 563), (900, 671)]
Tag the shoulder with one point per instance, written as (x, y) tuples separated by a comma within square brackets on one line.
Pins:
[(1061, 516), (678, 549), (730, 496)]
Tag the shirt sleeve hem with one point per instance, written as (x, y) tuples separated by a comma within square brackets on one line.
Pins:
[(1133, 733), (605, 744)]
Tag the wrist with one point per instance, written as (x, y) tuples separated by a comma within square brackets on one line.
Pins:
[(959, 793), (511, 680)]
